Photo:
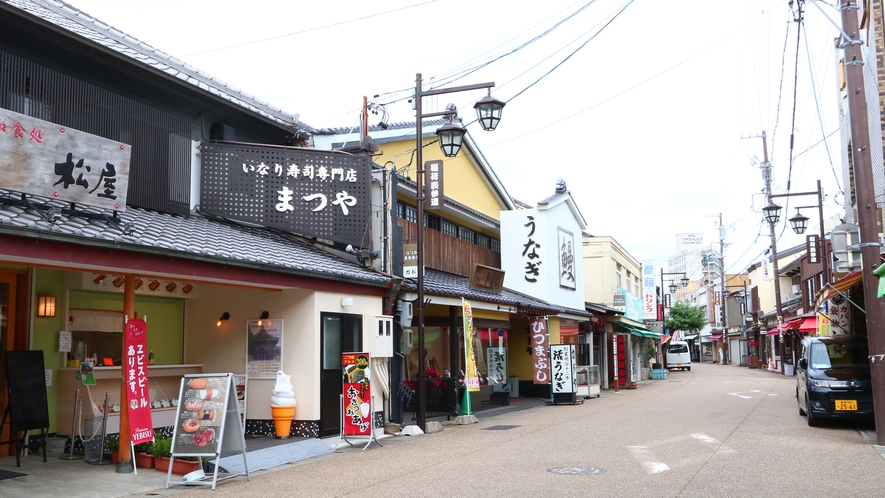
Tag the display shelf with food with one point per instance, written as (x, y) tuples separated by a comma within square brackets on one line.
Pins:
[(163, 380)]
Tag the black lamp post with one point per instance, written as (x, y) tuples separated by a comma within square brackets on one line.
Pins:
[(451, 137), (799, 223)]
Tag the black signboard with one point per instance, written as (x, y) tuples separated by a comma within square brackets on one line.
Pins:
[(316, 193), (26, 381)]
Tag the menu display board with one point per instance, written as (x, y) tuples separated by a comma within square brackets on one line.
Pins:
[(201, 410), (207, 421)]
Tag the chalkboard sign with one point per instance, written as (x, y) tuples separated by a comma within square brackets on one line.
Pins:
[(25, 378)]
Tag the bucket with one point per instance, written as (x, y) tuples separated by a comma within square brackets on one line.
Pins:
[(282, 418), (92, 450)]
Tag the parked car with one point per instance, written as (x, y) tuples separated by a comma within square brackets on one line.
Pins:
[(833, 379), (677, 356)]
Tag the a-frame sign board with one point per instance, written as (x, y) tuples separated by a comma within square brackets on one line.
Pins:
[(207, 422)]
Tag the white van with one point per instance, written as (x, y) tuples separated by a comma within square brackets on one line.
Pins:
[(678, 356)]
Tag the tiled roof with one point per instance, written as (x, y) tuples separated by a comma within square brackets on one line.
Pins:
[(81, 24), (195, 237), (407, 125), (438, 283)]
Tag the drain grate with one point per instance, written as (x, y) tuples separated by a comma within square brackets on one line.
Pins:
[(576, 470), (500, 427)]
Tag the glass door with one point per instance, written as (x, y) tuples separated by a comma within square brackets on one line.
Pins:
[(340, 334)]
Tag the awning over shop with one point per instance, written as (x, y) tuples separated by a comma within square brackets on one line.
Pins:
[(665, 338), (638, 332), (839, 286), (566, 330), (690, 337), (807, 325), (773, 331), (717, 337)]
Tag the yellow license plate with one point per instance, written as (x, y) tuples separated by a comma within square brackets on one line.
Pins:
[(679, 364), (846, 404)]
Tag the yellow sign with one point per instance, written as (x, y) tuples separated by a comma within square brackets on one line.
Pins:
[(471, 377)]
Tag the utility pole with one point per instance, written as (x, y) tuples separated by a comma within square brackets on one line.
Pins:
[(866, 206), (766, 175), (725, 347)]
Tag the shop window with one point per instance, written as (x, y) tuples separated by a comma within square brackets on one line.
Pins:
[(411, 214), (467, 234), (449, 228)]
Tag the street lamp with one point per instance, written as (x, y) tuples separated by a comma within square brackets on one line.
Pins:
[(799, 223), (451, 135)]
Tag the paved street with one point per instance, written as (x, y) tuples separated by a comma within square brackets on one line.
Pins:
[(714, 431)]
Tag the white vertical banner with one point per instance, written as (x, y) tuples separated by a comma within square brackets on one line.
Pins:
[(562, 368), (649, 296), (766, 270)]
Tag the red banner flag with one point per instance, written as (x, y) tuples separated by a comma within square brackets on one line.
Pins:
[(138, 398)]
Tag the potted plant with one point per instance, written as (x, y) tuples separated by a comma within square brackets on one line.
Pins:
[(161, 449), (143, 458), (112, 443)]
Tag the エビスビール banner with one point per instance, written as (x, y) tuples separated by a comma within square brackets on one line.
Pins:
[(141, 425), (357, 394)]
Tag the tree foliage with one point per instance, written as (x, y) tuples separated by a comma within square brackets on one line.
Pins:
[(686, 317)]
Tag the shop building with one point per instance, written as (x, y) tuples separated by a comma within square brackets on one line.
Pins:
[(622, 340), (155, 191)]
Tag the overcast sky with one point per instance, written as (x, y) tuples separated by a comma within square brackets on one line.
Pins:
[(651, 111)]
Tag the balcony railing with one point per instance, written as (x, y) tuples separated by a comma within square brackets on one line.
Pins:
[(449, 254)]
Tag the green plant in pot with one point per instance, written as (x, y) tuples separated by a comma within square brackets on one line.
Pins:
[(112, 444), (143, 458), (161, 447)]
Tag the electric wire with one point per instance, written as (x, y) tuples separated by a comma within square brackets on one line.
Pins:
[(317, 28), (795, 92)]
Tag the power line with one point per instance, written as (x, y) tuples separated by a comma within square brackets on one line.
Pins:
[(244, 44)]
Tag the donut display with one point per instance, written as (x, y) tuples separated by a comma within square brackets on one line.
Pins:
[(203, 437), (197, 384), (206, 415), (191, 425), (208, 394), (193, 404)]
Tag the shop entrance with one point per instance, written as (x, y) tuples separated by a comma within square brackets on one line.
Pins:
[(7, 343), (341, 333)]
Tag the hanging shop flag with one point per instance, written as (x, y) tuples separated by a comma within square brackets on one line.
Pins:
[(541, 365), (471, 377), (138, 397), (357, 394)]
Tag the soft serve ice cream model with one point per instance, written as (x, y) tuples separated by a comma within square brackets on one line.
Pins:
[(282, 404)]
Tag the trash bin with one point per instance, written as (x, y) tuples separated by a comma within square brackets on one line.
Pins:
[(788, 369)]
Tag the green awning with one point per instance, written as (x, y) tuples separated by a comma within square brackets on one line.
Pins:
[(639, 332)]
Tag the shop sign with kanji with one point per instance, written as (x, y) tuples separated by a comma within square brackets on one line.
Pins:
[(50, 160), (323, 194)]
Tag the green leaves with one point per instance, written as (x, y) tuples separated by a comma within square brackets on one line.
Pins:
[(686, 317)]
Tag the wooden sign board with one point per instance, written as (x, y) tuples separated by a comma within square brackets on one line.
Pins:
[(43, 158), (486, 277), (207, 412)]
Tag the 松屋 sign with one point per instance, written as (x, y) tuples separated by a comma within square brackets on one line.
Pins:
[(42, 158)]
